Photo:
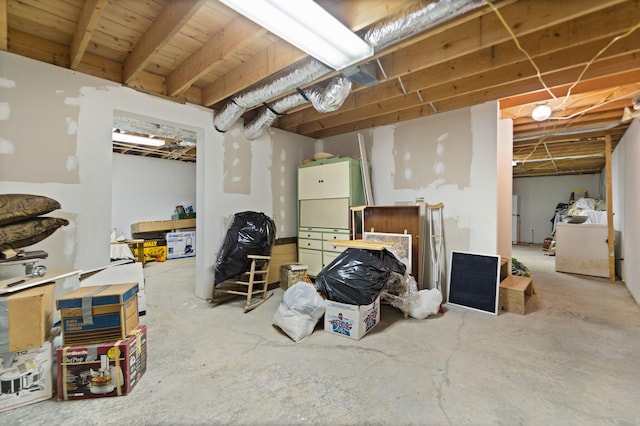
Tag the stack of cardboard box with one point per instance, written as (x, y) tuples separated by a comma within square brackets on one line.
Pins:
[(104, 350)]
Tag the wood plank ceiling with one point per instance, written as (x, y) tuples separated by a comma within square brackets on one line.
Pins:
[(580, 57)]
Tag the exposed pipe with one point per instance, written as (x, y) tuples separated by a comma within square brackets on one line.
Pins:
[(306, 73), (332, 97), (386, 33), (329, 99), (567, 132), (416, 20)]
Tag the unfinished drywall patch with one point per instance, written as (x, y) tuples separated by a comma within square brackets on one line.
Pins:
[(39, 140), (347, 145), (288, 150), (434, 151), (237, 162)]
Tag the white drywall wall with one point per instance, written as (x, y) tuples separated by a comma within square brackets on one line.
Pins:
[(450, 158), (55, 140), (539, 197), (626, 205), (146, 189)]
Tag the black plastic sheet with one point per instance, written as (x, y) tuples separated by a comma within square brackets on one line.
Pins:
[(248, 233), (357, 276)]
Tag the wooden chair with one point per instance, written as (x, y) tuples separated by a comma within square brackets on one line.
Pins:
[(251, 284)]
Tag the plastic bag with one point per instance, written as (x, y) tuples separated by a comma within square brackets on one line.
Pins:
[(299, 311), (425, 303), (248, 233), (357, 276)]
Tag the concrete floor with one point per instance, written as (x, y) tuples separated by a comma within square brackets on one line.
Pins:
[(573, 359)]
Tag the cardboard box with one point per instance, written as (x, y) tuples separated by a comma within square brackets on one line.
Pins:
[(291, 273), (102, 370), (352, 321), (97, 314), (185, 215), (26, 317), (119, 274), (155, 249), (26, 376), (181, 244)]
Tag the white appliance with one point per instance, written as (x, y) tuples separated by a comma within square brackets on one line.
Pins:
[(515, 219)]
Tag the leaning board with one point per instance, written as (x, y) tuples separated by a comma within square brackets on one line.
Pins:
[(474, 281)]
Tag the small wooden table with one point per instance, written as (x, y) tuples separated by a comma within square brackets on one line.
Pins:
[(362, 244), (139, 243)]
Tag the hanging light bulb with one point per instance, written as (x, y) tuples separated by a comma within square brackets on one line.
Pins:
[(541, 112)]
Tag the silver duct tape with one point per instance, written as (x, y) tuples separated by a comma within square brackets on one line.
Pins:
[(87, 302), (264, 120), (332, 97), (4, 325), (298, 77), (415, 20)]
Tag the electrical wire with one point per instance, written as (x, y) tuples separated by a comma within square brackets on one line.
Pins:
[(539, 74), (520, 48), (544, 85)]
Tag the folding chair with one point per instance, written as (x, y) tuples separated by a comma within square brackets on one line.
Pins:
[(251, 284)]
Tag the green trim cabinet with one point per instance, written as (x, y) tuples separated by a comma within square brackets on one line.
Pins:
[(326, 190)]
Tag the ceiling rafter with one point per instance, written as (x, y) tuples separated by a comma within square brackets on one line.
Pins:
[(89, 17), (225, 43), (480, 84), (170, 21), (463, 61), (4, 28)]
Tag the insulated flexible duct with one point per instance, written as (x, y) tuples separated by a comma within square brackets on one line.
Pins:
[(310, 71), (416, 20), (332, 97), (384, 34), (328, 99)]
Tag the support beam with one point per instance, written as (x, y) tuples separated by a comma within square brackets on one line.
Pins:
[(610, 234), (89, 17), (171, 20), (235, 36), (4, 28)]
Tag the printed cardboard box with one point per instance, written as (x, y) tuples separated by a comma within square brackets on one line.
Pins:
[(102, 370), (154, 250), (26, 376), (353, 321), (181, 244), (96, 314), (26, 317)]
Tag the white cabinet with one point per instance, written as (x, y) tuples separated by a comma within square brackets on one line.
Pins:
[(582, 249), (315, 248), (326, 190), (324, 181)]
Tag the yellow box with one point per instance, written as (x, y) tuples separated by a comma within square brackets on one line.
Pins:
[(27, 317), (153, 250)]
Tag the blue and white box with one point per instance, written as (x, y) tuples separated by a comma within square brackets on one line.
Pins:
[(353, 321), (181, 244)]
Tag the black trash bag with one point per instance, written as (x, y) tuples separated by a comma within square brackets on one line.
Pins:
[(357, 276), (248, 233)]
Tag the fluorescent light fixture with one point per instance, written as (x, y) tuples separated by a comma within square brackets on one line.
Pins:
[(309, 27), (124, 137), (541, 112)]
